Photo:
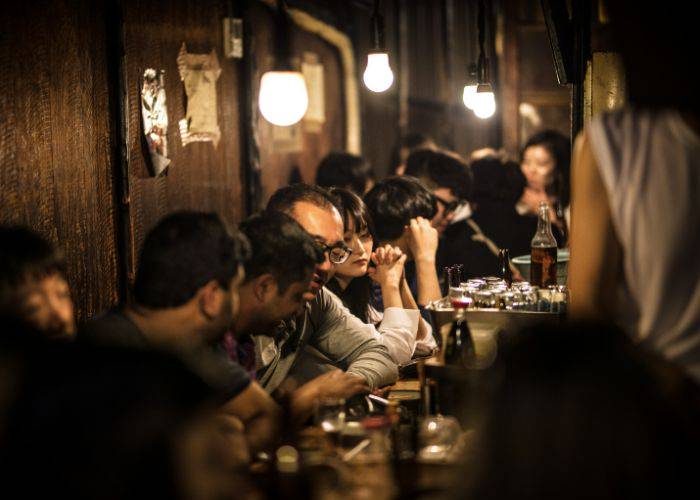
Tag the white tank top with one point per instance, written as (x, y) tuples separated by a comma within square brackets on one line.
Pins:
[(650, 165)]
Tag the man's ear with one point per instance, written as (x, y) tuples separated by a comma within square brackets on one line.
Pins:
[(265, 287), (210, 299)]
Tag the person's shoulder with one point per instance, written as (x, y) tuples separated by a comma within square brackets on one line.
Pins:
[(225, 376), (112, 327)]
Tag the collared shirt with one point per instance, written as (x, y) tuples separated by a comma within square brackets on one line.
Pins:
[(328, 327)]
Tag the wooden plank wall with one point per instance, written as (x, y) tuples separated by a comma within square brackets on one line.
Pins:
[(55, 161), (278, 168), (201, 176)]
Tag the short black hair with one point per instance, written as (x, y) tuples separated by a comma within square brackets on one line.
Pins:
[(284, 199), (412, 141), (24, 256), (559, 146), (281, 247), (344, 170), (497, 181), (438, 169), (352, 208), (184, 252), (393, 202)]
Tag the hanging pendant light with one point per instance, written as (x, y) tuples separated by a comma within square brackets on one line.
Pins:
[(283, 98), (484, 103), (378, 76), (469, 93)]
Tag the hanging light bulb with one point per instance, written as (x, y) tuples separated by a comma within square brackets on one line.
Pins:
[(484, 101), (469, 93), (283, 98), (378, 76)]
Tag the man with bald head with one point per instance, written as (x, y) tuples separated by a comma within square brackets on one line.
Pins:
[(324, 326)]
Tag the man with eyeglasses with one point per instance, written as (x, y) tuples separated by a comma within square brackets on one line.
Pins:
[(325, 326), (449, 179)]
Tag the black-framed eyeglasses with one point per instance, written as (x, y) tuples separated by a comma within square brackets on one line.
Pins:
[(337, 253), (449, 206)]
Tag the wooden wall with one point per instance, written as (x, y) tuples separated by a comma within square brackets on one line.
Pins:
[(201, 176), (60, 168), (280, 164), (55, 161)]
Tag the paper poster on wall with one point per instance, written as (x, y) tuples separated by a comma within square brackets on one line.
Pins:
[(199, 73), (287, 139), (154, 114), (315, 115)]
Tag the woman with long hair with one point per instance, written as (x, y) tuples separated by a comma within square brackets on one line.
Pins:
[(370, 271), (545, 162)]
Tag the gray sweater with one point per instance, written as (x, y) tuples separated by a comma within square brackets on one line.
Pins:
[(334, 332)]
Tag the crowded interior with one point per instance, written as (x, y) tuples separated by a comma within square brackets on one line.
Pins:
[(362, 249)]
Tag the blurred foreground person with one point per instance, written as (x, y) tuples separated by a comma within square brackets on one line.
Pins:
[(91, 422), (583, 413), (33, 287), (185, 300), (345, 170), (636, 212)]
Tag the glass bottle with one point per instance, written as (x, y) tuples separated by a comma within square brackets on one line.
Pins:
[(543, 251), (504, 266), (459, 345)]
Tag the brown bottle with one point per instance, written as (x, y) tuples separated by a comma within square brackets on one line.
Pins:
[(504, 266), (543, 253)]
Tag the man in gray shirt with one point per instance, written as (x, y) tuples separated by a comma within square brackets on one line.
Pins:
[(323, 325)]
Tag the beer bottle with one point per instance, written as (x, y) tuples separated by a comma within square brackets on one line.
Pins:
[(459, 345), (504, 266), (543, 251)]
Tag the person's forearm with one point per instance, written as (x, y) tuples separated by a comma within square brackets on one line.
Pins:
[(391, 296), (302, 402), (407, 298), (428, 284), (260, 431)]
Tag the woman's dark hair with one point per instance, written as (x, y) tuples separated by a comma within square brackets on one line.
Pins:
[(24, 256), (184, 252), (344, 170), (356, 297), (437, 169), (497, 182), (393, 202), (559, 146)]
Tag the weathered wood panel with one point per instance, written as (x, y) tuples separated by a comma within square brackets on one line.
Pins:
[(277, 166), (55, 161), (201, 176)]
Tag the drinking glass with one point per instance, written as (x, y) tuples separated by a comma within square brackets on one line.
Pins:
[(330, 416)]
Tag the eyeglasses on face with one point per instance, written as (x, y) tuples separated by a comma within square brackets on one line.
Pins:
[(337, 253), (449, 206)]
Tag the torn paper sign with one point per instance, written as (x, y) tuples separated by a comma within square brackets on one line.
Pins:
[(199, 72), (154, 114)]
